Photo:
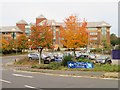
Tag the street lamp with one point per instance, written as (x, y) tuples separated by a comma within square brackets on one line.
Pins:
[(14, 37), (29, 45), (40, 51)]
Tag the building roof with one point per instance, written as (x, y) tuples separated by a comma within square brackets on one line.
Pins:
[(22, 22), (41, 16), (10, 29), (47, 22), (98, 24), (60, 24), (89, 24)]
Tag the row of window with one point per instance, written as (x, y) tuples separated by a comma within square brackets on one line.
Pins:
[(93, 38), (93, 33)]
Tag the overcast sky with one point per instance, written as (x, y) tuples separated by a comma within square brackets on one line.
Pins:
[(11, 12)]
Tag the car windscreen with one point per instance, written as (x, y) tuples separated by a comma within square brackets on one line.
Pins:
[(101, 58)]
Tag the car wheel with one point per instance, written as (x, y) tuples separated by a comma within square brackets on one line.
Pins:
[(109, 62), (46, 62), (30, 58)]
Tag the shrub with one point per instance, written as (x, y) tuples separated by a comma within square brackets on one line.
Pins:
[(55, 65), (98, 50), (66, 59), (84, 60), (58, 49), (41, 66)]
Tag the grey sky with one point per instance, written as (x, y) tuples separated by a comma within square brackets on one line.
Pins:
[(92, 11)]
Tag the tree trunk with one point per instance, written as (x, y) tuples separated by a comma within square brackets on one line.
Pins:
[(41, 52), (74, 53)]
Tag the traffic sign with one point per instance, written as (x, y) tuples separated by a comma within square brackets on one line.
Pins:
[(72, 64)]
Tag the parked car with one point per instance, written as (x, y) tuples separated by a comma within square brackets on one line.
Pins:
[(33, 56), (83, 57), (92, 56), (58, 59), (103, 60)]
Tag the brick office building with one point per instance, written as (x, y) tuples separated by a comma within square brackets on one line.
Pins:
[(97, 30)]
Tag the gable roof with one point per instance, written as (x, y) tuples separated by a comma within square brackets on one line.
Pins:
[(47, 22), (41, 16), (10, 29), (22, 22)]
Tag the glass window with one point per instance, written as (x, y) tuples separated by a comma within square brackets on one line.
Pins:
[(13, 34), (92, 28), (27, 31), (93, 38), (5, 33), (93, 33), (103, 30)]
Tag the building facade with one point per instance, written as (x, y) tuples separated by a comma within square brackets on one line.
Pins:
[(99, 32)]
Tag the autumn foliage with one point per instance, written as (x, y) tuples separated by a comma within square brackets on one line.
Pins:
[(4, 44), (74, 35), (21, 42), (41, 36)]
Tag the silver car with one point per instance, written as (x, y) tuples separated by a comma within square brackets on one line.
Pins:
[(33, 56), (103, 60)]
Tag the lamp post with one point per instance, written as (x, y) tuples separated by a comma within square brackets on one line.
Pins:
[(14, 37), (30, 45), (40, 51)]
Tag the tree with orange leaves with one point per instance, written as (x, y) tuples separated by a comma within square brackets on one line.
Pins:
[(4, 44), (74, 35), (21, 42), (41, 37)]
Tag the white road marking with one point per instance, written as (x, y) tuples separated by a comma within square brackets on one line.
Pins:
[(29, 86), (19, 75), (5, 81), (67, 75)]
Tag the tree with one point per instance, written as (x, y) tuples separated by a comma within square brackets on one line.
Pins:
[(74, 35), (4, 44), (21, 42), (41, 37), (114, 39)]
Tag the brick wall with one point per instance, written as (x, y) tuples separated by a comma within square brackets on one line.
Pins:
[(22, 27)]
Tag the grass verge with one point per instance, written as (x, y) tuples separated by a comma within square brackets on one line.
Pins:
[(58, 66)]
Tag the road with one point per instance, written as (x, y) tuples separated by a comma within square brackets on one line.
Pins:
[(10, 59), (16, 79)]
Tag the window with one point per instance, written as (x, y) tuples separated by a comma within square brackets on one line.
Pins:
[(103, 30), (13, 34), (27, 31), (93, 38), (5, 33), (90, 28), (93, 33)]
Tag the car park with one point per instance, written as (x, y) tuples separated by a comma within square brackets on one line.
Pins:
[(103, 60)]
